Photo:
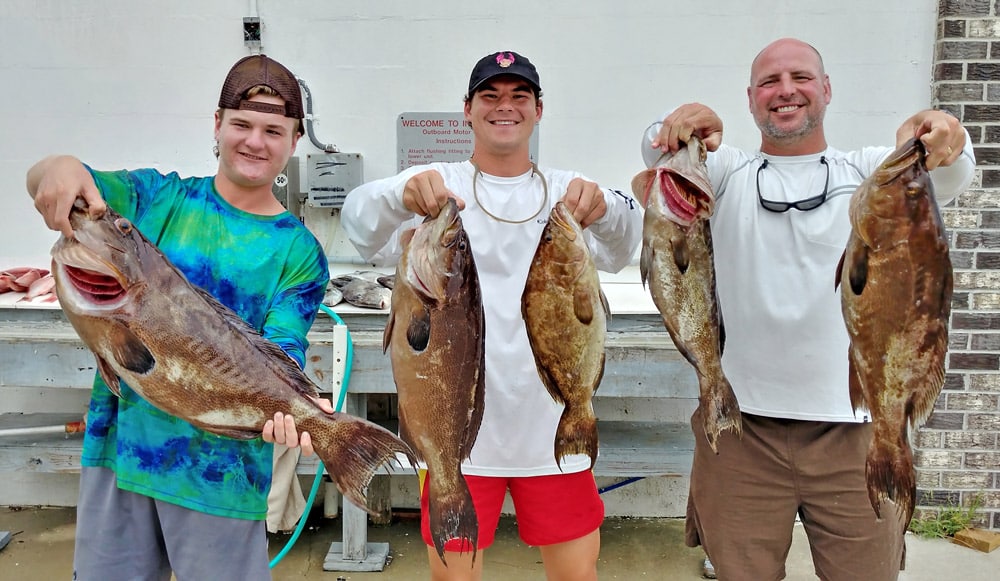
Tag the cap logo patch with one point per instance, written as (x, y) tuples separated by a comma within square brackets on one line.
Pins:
[(505, 60)]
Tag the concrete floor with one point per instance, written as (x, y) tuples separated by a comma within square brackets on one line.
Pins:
[(632, 548)]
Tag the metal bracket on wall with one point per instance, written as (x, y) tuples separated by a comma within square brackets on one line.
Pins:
[(251, 33)]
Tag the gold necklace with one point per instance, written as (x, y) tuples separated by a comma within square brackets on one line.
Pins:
[(534, 171)]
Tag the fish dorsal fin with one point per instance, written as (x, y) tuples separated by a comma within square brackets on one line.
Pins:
[(271, 351)]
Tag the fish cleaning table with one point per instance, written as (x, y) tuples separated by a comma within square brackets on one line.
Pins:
[(643, 403)]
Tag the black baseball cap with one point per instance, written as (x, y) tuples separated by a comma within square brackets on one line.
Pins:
[(504, 62), (259, 69)]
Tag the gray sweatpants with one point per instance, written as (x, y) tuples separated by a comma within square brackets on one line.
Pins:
[(121, 535)]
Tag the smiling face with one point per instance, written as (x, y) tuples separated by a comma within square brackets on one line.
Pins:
[(503, 114), (254, 147), (788, 95)]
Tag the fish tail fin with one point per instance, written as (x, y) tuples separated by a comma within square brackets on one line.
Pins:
[(577, 433), (890, 476), (452, 516), (720, 409), (352, 449)]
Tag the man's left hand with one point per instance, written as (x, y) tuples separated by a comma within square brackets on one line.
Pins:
[(941, 133), (281, 429)]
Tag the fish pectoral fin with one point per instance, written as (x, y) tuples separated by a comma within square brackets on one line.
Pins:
[(583, 304), (130, 352), (856, 262), (418, 334), (109, 376), (859, 275), (681, 253)]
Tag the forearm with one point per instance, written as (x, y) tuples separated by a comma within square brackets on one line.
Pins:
[(617, 234), (372, 214)]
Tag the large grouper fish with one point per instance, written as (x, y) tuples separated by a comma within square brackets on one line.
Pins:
[(678, 266), (566, 317), (192, 357), (896, 285), (435, 337)]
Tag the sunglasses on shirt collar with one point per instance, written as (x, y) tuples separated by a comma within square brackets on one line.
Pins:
[(800, 205)]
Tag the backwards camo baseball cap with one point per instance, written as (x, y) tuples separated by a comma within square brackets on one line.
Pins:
[(259, 69), (504, 62)]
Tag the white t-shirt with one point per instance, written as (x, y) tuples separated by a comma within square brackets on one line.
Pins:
[(520, 417), (786, 342)]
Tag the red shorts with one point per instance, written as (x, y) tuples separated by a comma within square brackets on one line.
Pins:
[(550, 509)]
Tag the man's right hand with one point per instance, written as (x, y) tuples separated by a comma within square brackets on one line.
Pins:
[(55, 183), (425, 194), (685, 121)]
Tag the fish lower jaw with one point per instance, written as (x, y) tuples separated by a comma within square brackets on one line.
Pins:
[(87, 302)]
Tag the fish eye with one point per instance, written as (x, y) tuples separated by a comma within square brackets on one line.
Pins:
[(124, 225)]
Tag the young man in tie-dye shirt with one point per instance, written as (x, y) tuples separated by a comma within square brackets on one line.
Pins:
[(158, 495)]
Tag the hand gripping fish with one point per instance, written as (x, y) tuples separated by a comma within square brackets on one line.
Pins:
[(895, 285), (436, 341), (677, 263), (566, 316), (192, 357)]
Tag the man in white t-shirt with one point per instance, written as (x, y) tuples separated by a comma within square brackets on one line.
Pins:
[(505, 201), (779, 228)]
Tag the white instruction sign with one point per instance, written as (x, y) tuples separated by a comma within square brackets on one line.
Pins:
[(427, 137)]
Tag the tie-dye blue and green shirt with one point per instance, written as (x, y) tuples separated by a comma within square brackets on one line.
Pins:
[(272, 272)]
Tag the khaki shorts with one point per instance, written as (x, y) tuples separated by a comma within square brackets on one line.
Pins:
[(743, 501)]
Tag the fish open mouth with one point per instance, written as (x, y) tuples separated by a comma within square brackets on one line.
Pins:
[(98, 287), (682, 198)]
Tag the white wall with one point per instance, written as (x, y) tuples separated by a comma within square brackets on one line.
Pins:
[(123, 84)]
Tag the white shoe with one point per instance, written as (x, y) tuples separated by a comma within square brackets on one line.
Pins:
[(708, 569)]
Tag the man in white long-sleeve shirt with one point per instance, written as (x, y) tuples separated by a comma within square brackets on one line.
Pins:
[(779, 229), (505, 201)]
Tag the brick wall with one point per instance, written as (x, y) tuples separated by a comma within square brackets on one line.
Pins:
[(957, 451)]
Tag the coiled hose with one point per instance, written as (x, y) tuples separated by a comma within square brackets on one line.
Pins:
[(319, 466)]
